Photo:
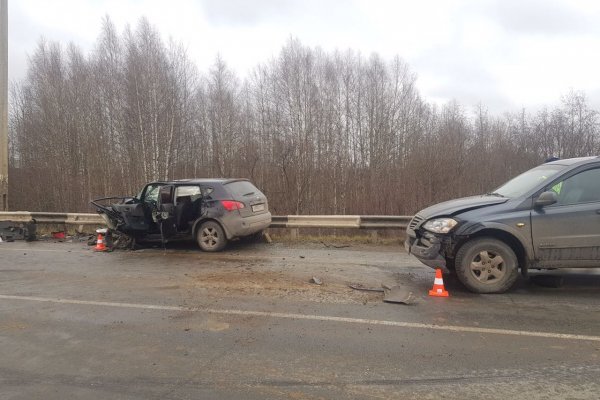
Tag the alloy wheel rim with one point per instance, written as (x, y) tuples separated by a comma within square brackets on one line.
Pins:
[(210, 237)]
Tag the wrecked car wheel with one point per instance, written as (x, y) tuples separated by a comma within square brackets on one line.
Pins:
[(486, 265), (211, 237)]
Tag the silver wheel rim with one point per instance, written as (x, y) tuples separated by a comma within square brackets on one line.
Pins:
[(488, 267), (209, 237)]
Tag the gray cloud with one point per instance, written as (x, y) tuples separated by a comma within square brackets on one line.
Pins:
[(461, 76), (546, 17), (246, 12), (499, 52)]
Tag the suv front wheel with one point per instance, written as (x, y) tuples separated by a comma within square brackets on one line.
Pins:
[(486, 265)]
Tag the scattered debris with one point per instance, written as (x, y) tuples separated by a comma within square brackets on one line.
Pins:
[(396, 294), (391, 294), (316, 280), (59, 235), (336, 246), (302, 257), (91, 240), (11, 231), (360, 286), (121, 241), (550, 281)]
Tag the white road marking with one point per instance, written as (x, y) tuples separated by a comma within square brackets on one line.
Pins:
[(267, 314), (49, 250)]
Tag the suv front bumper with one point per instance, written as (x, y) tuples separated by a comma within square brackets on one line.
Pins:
[(427, 249)]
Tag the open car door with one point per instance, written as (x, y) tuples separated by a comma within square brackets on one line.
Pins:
[(166, 211)]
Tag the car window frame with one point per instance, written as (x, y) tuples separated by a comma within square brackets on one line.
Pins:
[(564, 177), (145, 191), (187, 185)]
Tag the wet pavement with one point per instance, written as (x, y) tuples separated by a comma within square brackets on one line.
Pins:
[(248, 323)]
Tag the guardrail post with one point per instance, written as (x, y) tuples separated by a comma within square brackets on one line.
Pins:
[(294, 233), (374, 236)]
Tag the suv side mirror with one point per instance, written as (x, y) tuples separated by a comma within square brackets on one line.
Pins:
[(545, 199)]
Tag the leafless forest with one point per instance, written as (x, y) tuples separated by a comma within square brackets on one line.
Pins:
[(319, 132)]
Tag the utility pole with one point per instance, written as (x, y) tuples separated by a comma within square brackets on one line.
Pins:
[(3, 105)]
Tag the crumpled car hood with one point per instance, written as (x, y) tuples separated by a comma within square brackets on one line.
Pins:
[(456, 206)]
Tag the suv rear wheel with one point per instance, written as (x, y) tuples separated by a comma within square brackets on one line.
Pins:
[(486, 265), (210, 236)]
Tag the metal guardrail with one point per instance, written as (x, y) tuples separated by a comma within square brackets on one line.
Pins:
[(374, 222), (52, 218)]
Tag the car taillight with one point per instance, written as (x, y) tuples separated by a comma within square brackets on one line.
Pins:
[(231, 205)]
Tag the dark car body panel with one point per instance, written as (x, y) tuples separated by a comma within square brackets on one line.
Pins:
[(553, 236), (451, 207)]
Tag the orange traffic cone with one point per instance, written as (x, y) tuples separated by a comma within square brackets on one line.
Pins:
[(438, 285), (100, 246)]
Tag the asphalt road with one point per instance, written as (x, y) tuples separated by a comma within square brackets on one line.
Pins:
[(248, 324)]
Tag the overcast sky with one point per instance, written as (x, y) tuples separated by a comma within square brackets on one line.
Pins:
[(507, 54)]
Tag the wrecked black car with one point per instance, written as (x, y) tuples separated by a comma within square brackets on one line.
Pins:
[(211, 211), (545, 218)]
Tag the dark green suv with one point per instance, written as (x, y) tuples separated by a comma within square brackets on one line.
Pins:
[(545, 218)]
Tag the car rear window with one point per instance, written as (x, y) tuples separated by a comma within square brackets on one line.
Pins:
[(239, 189)]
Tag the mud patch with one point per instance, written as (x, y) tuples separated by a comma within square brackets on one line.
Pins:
[(11, 326), (280, 285), (172, 287)]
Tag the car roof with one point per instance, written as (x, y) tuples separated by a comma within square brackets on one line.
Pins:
[(222, 181), (573, 161)]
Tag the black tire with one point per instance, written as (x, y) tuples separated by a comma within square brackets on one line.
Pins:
[(211, 237), (487, 265)]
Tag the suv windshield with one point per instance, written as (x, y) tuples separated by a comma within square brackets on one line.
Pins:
[(528, 180)]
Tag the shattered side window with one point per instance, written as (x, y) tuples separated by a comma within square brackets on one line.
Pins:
[(151, 195), (207, 191)]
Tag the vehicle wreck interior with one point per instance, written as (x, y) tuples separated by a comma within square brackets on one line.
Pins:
[(175, 207)]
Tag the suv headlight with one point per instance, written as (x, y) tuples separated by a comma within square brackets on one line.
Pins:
[(440, 225)]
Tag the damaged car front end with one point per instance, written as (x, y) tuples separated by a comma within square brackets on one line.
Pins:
[(434, 233), (117, 214), (428, 240)]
